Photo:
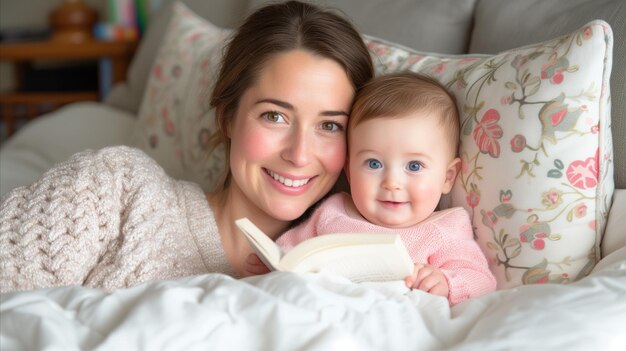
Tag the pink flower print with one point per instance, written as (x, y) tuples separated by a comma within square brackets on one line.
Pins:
[(505, 196), (506, 100), (556, 116), (413, 59), (583, 174), (204, 137), (468, 60), (538, 243), (157, 72), (552, 198), (168, 126), (542, 280), (535, 233), (595, 129), (587, 32), (193, 37), (580, 210), (205, 64), (553, 69), (489, 218), (523, 238), (592, 225), (440, 68), (378, 49), (557, 78), (472, 199), (518, 143), (487, 132)]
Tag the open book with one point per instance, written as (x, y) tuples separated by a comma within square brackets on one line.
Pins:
[(357, 256)]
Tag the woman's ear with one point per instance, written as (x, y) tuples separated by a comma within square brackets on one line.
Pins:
[(222, 122), (227, 126), (453, 170)]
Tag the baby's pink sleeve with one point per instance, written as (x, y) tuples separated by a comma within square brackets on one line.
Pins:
[(301, 232), (462, 261)]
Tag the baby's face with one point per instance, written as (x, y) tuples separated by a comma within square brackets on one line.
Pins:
[(399, 167)]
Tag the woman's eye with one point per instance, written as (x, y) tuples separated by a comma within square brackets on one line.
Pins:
[(274, 116), (414, 166), (331, 126), (374, 164)]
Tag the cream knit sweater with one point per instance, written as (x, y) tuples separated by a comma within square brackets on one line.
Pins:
[(108, 219)]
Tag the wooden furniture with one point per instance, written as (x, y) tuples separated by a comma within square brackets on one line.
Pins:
[(21, 54), (72, 21)]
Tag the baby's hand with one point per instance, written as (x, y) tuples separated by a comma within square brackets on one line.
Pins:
[(254, 265), (429, 279)]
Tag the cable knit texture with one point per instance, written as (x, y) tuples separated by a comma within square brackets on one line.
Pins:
[(108, 219), (444, 240)]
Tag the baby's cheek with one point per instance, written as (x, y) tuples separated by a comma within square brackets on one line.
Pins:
[(426, 194)]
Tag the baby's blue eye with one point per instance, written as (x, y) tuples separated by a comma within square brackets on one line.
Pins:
[(414, 166), (374, 164)]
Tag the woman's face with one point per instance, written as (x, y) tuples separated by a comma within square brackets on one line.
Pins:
[(288, 140)]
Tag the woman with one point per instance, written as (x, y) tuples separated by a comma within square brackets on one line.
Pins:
[(112, 218)]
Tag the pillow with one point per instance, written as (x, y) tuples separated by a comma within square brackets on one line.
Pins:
[(537, 172), (175, 118), (523, 22)]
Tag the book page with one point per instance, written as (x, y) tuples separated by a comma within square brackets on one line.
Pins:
[(265, 248), (356, 256)]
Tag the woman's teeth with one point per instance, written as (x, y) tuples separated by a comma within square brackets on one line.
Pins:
[(287, 181)]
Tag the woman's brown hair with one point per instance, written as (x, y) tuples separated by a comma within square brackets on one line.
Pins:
[(275, 29)]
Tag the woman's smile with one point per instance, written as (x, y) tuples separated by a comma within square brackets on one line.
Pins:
[(289, 181)]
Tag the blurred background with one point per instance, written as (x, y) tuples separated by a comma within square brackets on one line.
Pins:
[(36, 61)]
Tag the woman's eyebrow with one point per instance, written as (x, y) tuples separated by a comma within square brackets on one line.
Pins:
[(334, 113), (289, 106), (280, 103)]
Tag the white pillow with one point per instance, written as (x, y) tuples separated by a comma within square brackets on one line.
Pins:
[(175, 119), (537, 171)]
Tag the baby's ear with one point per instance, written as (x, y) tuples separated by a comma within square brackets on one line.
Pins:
[(453, 169)]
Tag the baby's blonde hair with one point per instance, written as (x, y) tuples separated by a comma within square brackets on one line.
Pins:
[(396, 95)]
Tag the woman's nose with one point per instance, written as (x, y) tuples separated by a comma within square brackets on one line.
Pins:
[(298, 149)]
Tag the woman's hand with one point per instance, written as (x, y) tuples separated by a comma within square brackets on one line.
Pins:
[(254, 265), (428, 278)]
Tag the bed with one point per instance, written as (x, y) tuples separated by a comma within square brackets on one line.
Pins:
[(315, 311)]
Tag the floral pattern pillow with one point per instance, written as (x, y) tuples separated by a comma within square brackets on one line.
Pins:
[(537, 171), (175, 119)]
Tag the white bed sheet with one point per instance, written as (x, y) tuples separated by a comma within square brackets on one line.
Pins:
[(283, 311)]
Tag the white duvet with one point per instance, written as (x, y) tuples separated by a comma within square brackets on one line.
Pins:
[(283, 311)]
